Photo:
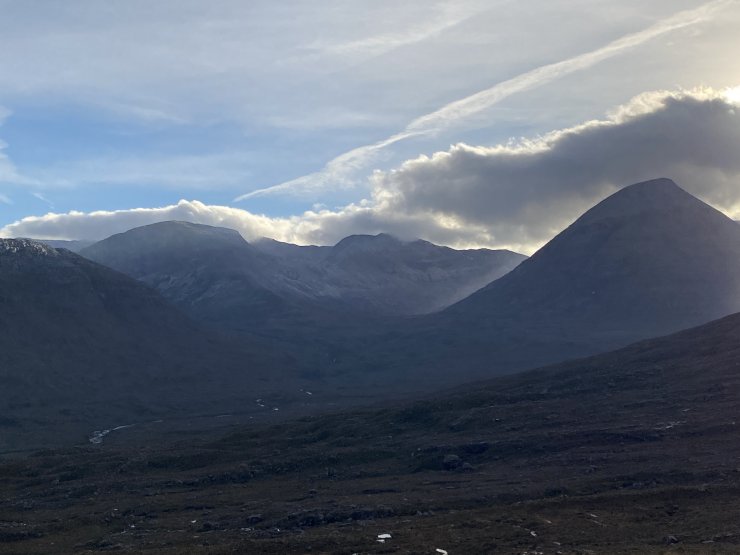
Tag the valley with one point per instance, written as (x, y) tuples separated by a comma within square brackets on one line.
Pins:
[(634, 451)]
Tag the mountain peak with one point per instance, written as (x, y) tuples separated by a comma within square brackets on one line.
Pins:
[(169, 234), (656, 195), (183, 227), (657, 184), (373, 241), (661, 189), (648, 260)]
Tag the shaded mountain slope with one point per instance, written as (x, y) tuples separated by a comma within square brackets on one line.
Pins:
[(647, 260), (209, 272), (80, 342)]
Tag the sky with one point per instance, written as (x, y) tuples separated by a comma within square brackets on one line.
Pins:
[(469, 123)]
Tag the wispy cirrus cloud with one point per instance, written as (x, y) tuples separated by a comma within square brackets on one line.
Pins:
[(9, 173), (443, 16), (340, 172), (43, 199)]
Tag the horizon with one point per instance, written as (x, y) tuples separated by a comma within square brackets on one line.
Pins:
[(650, 182), (422, 132)]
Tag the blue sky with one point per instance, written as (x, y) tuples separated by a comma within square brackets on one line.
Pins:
[(304, 121)]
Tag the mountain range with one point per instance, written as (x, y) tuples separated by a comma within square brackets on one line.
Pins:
[(177, 318), (215, 275)]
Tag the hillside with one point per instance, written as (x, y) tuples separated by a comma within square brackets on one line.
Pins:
[(633, 451), (648, 260), (82, 346)]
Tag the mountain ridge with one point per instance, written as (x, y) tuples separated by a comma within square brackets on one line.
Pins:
[(362, 273)]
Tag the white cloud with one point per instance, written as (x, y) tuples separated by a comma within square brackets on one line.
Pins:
[(341, 171), (514, 195), (100, 224), (300, 82), (524, 192), (312, 227)]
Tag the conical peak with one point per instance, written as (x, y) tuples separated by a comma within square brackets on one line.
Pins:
[(653, 196)]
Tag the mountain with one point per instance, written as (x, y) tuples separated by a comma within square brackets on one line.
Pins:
[(217, 277), (82, 345), (414, 277), (634, 451), (209, 272), (649, 260), (385, 275)]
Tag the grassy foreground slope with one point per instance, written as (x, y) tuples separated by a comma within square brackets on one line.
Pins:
[(635, 451)]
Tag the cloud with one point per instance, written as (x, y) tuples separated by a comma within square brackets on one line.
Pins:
[(515, 195), (8, 171), (444, 16), (524, 192), (196, 171), (5, 199), (42, 198), (157, 64), (9, 174), (122, 88), (339, 172), (143, 114), (312, 227), (103, 223)]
